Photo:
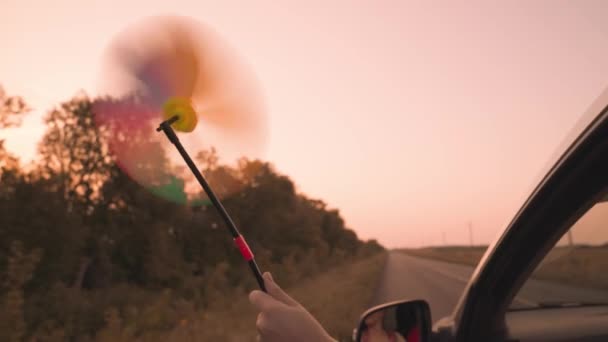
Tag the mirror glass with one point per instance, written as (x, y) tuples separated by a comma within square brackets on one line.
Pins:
[(395, 322)]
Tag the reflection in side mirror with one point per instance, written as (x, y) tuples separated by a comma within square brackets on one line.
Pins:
[(401, 321)]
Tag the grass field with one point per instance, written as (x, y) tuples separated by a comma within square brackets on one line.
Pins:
[(580, 266), (577, 266), (336, 298), (454, 254)]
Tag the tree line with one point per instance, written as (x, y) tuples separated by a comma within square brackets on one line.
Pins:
[(82, 244)]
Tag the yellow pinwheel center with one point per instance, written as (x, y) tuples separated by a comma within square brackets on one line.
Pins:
[(182, 107)]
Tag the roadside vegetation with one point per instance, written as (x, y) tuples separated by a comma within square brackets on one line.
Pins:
[(86, 254), (336, 298), (578, 265)]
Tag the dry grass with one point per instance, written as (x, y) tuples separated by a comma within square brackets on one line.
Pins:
[(577, 266), (336, 298), (457, 254), (580, 266)]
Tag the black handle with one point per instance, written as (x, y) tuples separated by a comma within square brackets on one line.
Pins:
[(165, 126)]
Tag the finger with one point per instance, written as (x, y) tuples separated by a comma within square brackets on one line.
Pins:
[(261, 324), (277, 292), (262, 301)]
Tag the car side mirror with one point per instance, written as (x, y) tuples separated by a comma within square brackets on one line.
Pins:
[(399, 321)]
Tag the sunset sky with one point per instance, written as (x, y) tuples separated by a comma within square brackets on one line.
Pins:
[(412, 118)]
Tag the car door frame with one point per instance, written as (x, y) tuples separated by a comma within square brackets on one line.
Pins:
[(576, 181)]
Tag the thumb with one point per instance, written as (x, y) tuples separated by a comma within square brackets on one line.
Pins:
[(275, 291), (263, 301)]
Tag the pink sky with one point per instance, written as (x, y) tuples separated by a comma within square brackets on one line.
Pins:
[(411, 118)]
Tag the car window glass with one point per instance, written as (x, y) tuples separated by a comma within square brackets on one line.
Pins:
[(575, 271)]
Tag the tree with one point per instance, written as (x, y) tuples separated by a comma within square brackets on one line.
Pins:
[(12, 109), (115, 226), (72, 152), (20, 270)]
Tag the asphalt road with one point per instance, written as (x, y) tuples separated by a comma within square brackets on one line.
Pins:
[(407, 277), (441, 285)]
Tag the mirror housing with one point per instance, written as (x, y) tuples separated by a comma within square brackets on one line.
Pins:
[(398, 321)]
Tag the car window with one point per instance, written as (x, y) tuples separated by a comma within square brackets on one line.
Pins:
[(575, 271)]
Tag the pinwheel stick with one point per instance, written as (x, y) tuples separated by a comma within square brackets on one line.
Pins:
[(240, 242)]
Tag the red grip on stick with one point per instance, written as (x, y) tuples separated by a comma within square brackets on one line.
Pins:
[(243, 247)]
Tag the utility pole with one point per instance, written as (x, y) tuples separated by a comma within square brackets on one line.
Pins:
[(471, 233), (570, 238)]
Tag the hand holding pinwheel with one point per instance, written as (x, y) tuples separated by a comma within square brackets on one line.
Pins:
[(172, 71)]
